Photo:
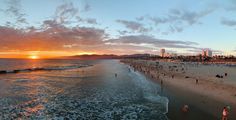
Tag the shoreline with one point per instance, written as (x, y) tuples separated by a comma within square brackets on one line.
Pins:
[(209, 94)]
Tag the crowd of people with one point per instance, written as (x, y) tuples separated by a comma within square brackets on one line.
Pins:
[(157, 71)]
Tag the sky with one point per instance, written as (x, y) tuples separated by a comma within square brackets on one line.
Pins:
[(50, 28)]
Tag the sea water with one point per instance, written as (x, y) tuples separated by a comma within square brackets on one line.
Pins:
[(75, 89)]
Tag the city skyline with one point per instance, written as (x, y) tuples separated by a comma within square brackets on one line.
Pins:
[(69, 27)]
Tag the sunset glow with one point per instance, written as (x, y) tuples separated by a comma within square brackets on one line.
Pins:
[(76, 28), (34, 57), (86, 53)]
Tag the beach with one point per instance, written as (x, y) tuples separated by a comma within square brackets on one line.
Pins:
[(99, 89), (196, 83)]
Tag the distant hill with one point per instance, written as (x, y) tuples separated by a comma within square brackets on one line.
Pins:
[(105, 56), (94, 56)]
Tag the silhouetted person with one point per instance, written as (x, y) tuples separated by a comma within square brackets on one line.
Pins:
[(225, 114), (196, 81), (185, 109)]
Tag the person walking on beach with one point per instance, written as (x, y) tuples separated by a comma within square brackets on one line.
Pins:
[(225, 114), (185, 109)]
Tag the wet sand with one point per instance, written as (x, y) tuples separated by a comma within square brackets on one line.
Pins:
[(210, 95)]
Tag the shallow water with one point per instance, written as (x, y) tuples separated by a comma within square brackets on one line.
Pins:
[(88, 92)]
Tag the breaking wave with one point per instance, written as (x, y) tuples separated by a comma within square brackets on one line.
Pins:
[(43, 69), (150, 90)]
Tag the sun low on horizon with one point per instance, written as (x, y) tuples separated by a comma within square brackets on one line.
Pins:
[(34, 57)]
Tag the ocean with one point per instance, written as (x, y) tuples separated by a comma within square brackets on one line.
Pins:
[(77, 89)]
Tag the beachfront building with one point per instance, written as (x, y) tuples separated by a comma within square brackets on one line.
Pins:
[(162, 53), (203, 53), (175, 55), (207, 53)]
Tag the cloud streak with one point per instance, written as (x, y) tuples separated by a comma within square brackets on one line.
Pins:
[(232, 6), (14, 9), (87, 8), (56, 35), (177, 20), (143, 40), (62, 38), (134, 26), (228, 22), (65, 12), (92, 21)]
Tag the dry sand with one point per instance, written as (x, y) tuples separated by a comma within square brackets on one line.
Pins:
[(210, 94)]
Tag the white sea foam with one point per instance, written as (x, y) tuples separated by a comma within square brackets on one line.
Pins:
[(150, 90)]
